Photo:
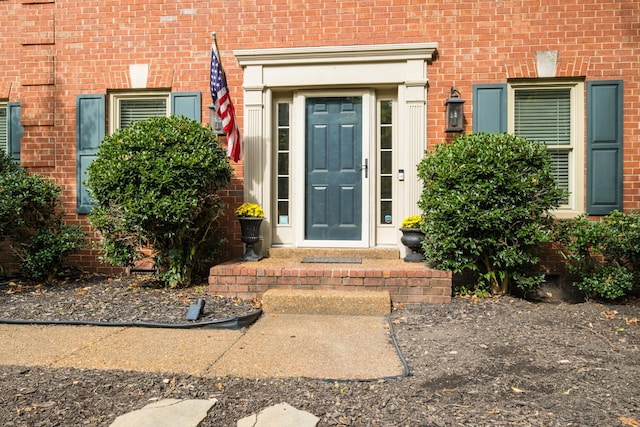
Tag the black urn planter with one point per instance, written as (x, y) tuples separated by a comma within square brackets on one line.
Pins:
[(412, 238), (250, 236)]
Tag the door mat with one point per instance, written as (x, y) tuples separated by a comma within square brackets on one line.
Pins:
[(331, 260)]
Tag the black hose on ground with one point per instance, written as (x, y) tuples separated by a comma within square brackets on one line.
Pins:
[(237, 322), (405, 365)]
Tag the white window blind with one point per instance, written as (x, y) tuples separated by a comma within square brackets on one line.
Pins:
[(133, 110), (544, 115), (3, 129)]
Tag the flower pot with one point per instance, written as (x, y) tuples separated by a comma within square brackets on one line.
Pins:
[(412, 238), (250, 228)]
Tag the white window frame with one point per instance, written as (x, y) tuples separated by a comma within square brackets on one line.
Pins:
[(576, 202), (283, 232), (4, 106), (116, 98), (387, 232)]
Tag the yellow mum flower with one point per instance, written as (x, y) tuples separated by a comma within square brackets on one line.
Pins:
[(250, 210)]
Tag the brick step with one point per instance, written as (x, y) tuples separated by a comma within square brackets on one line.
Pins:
[(326, 302), (405, 282)]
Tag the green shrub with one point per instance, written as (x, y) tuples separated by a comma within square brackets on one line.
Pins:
[(485, 202), (155, 184), (46, 251), (6, 164), (605, 254), (31, 222)]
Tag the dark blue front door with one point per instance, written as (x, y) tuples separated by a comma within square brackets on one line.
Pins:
[(333, 199)]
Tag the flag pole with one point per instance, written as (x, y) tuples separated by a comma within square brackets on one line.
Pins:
[(216, 51), (214, 44)]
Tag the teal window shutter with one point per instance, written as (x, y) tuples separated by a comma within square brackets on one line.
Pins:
[(604, 147), (186, 104), (490, 108), (90, 131), (14, 131)]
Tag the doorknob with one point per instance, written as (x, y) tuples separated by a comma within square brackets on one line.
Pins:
[(365, 167)]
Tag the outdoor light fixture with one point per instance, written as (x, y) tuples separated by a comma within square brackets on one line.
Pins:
[(215, 121), (455, 117)]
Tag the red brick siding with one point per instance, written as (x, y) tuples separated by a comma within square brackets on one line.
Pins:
[(53, 51)]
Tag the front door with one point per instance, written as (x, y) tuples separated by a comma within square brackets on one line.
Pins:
[(334, 169)]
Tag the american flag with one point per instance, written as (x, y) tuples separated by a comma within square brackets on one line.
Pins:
[(224, 107)]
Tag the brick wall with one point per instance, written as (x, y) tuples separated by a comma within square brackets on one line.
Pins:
[(54, 50)]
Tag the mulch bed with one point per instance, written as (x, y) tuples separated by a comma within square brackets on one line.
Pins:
[(489, 362)]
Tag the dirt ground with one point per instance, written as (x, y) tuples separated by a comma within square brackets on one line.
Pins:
[(489, 362)]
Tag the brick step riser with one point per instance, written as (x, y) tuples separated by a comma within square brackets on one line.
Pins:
[(405, 284)]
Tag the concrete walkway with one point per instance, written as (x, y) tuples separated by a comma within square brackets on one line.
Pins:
[(287, 345), (328, 344)]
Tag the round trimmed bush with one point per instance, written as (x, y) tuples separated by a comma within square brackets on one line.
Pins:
[(155, 185), (486, 203)]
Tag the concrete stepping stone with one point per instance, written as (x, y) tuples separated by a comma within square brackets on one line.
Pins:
[(167, 413), (281, 415)]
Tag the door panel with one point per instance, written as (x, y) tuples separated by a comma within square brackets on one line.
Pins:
[(333, 188)]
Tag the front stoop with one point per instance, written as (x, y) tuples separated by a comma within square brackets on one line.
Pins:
[(406, 283)]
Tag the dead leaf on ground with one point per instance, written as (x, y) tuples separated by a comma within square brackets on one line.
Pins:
[(17, 288), (609, 314), (83, 291), (517, 390), (629, 422), (632, 321)]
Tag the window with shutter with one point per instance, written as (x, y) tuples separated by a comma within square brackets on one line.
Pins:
[(124, 108), (554, 114)]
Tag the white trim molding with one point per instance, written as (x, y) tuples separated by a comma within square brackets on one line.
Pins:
[(336, 54), (402, 67)]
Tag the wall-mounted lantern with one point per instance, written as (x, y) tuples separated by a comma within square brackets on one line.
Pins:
[(215, 121), (455, 115)]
